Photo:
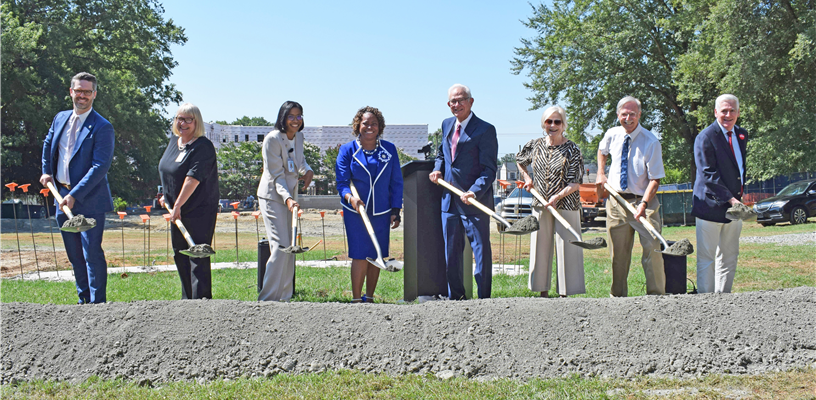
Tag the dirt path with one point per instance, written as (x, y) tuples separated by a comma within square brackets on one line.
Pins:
[(160, 341)]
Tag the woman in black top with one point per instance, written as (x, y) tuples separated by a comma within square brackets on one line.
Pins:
[(189, 177)]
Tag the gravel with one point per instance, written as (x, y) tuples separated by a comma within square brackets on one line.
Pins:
[(791, 239), (152, 342)]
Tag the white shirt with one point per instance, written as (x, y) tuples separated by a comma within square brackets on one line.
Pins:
[(645, 159), (65, 154), (735, 143)]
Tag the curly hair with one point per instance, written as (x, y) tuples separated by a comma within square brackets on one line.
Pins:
[(358, 118)]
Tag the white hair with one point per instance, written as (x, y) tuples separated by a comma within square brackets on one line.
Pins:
[(726, 97), (552, 110), (625, 100), (459, 86)]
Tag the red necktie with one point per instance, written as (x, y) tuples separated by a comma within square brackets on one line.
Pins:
[(455, 140)]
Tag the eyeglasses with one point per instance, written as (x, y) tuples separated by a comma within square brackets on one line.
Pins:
[(83, 92), (454, 102), (556, 122), (294, 117), (184, 120)]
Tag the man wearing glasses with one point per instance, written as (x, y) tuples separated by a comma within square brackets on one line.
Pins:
[(635, 172), (77, 153), (466, 159)]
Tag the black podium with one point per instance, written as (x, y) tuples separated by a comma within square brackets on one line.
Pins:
[(424, 266)]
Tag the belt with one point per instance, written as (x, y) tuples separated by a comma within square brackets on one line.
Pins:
[(64, 185), (630, 196)]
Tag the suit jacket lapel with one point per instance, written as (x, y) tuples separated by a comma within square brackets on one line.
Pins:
[(84, 130), (724, 144)]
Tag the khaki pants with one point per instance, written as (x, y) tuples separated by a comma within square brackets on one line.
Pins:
[(717, 253), (550, 236), (621, 227)]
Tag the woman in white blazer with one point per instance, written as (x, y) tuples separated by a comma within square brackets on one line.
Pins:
[(283, 163)]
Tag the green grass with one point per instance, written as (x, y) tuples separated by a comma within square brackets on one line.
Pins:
[(356, 385)]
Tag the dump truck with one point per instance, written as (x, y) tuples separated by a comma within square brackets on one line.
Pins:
[(593, 202)]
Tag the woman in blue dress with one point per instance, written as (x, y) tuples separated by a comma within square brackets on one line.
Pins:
[(372, 164)]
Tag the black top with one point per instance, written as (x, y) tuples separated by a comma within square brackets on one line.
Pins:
[(197, 162)]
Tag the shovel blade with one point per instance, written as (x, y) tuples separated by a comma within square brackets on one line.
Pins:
[(293, 249), (587, 246), (76, 229), (393, 265), (379, 263)]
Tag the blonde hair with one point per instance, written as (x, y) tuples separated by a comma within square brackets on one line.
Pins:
[(191, 109)]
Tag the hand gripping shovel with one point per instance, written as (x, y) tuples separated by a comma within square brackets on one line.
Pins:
[(523, 226), (294, 248), (196, 250), (592, 244), (391, 265), (680, 248), (74, 223)]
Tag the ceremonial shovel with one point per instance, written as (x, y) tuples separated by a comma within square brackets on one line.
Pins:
[(511, 229), (196, 250), (74, 224), (391, 265), (680, 248), (599, 244)]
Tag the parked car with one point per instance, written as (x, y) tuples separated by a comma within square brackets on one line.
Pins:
[(795, 203), (517, 205)]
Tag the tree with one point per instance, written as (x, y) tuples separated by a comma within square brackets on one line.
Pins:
[(764, 52), (247, 121), (509, 157), (125, 43), (240, 166), (590, 54), (404, 158), (677, 57)]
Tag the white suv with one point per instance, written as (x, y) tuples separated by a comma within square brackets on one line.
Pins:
[(516, 206)]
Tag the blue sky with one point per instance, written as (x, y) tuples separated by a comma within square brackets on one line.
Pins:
[(248, 57)]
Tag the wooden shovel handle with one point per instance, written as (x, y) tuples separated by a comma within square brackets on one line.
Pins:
[(57, 196), (181, 227), (446, 185), (555, 213), (631, 209), (367, 222)]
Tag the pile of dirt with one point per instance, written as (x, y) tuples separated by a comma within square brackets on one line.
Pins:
[(528, 224), (79, 221), (682, 247), (740, 211), (203, 340), (596, 241)]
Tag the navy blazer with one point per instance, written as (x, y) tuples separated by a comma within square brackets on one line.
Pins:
[(473, 169), (386, 180), (718, 176), (89, 164)]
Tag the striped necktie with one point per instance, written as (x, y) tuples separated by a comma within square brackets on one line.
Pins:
[(624, 173)]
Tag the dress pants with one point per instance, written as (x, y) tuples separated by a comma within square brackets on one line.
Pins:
[(621, 227), (84, 250), (550, 236), (717, 252), (280, 267), (477, 229), (196, 279)]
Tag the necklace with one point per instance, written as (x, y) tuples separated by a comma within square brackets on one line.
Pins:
[(369, 152), (181, 146)]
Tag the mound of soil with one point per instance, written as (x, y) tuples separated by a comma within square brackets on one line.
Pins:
[(160, 341)]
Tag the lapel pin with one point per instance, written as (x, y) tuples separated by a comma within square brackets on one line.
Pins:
[(741, 136)]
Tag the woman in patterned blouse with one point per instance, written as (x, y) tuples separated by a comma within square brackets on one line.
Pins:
[(558, 168)]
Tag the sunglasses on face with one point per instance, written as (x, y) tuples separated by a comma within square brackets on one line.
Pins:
[(556, 122)]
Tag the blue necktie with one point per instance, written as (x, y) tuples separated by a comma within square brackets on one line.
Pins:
[(624, 183)]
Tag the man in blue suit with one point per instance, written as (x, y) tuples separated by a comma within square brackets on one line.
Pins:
[(77, 153), (466, 159), (720, 154)]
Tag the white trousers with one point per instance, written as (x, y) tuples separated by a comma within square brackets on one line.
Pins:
[(280, 268), (552, 235), (717, 252)]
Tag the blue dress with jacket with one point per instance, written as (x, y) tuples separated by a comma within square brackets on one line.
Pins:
[(378, 169)]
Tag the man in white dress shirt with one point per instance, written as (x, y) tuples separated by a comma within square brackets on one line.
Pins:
[(635, 172)]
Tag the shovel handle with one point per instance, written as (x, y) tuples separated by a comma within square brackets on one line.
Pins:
[(555, 213), (631, 209), (480, 206), (181, 227), (57, 196), (294, 226), (366, 221)]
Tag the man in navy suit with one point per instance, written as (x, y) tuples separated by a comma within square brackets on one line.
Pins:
[(77, 153), (466, 159), (720, 154)]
